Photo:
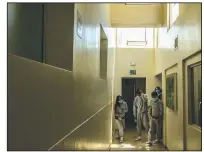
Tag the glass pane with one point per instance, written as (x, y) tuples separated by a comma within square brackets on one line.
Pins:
[(174, 12), (197, 96), (125, 35), (132, 34), (136, 34)]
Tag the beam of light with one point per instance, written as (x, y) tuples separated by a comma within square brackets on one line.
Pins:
[(122, 146), (140, 147), (147, 147)]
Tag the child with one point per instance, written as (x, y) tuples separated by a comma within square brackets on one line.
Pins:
[(155, 113)]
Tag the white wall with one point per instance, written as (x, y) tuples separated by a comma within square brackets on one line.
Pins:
[(188, 29), (136, 15)]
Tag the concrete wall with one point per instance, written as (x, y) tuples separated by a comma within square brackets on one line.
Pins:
[(188, 29), (56, 109), (137, 15)]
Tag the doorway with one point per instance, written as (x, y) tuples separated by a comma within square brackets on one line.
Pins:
[(129, 87)]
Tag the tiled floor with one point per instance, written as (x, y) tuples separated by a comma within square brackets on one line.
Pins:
[(130, 144)]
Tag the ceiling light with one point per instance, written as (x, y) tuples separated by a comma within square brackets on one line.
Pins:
[(141, 3)]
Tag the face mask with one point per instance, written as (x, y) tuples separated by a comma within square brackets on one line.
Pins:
[(120, 101), (158, 91)]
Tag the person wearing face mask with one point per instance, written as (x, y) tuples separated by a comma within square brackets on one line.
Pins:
[(124, 106), (120, 109), (141, 113), (159, 92), (155, 113)]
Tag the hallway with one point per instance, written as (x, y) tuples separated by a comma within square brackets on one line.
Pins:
[(129, 143), (67, 63)]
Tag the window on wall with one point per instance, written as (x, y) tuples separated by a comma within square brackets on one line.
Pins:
[(25, 30), (103, 53), (173, 12), (135, 37), (195, 95)]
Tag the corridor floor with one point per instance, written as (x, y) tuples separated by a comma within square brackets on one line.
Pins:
[(130, 144)]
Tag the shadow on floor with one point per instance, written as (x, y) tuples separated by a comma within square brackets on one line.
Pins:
[(130, 144)]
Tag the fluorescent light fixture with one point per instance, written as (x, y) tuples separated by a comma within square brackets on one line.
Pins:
[(141, 3), (136, 43)]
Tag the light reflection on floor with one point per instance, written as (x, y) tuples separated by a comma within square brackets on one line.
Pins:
[(122, 146), (129, 143)]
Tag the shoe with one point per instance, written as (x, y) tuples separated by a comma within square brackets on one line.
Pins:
[(138, 138), (149, 143), (121, 140), (156, 141)]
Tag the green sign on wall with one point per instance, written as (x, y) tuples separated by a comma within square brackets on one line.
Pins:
[(132, 72)]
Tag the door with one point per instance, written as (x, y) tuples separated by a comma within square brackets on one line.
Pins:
[(193, 104), (129, 87)]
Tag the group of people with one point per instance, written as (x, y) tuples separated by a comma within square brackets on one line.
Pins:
[(148, 116)]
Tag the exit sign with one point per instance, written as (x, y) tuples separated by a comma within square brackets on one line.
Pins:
[(132, 72)]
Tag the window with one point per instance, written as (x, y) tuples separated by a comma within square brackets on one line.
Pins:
[(25, 30), (195, 95), (103, 53), (135, 37), (173, 13)]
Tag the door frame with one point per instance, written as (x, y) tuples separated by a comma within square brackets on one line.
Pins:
[(122, 78), (186, 63), (134, 78)]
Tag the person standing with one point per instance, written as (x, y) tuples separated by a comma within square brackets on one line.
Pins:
[(120, 109), (135, 109), (155, 113), (125, 107), (140, 103), (158, 90)]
